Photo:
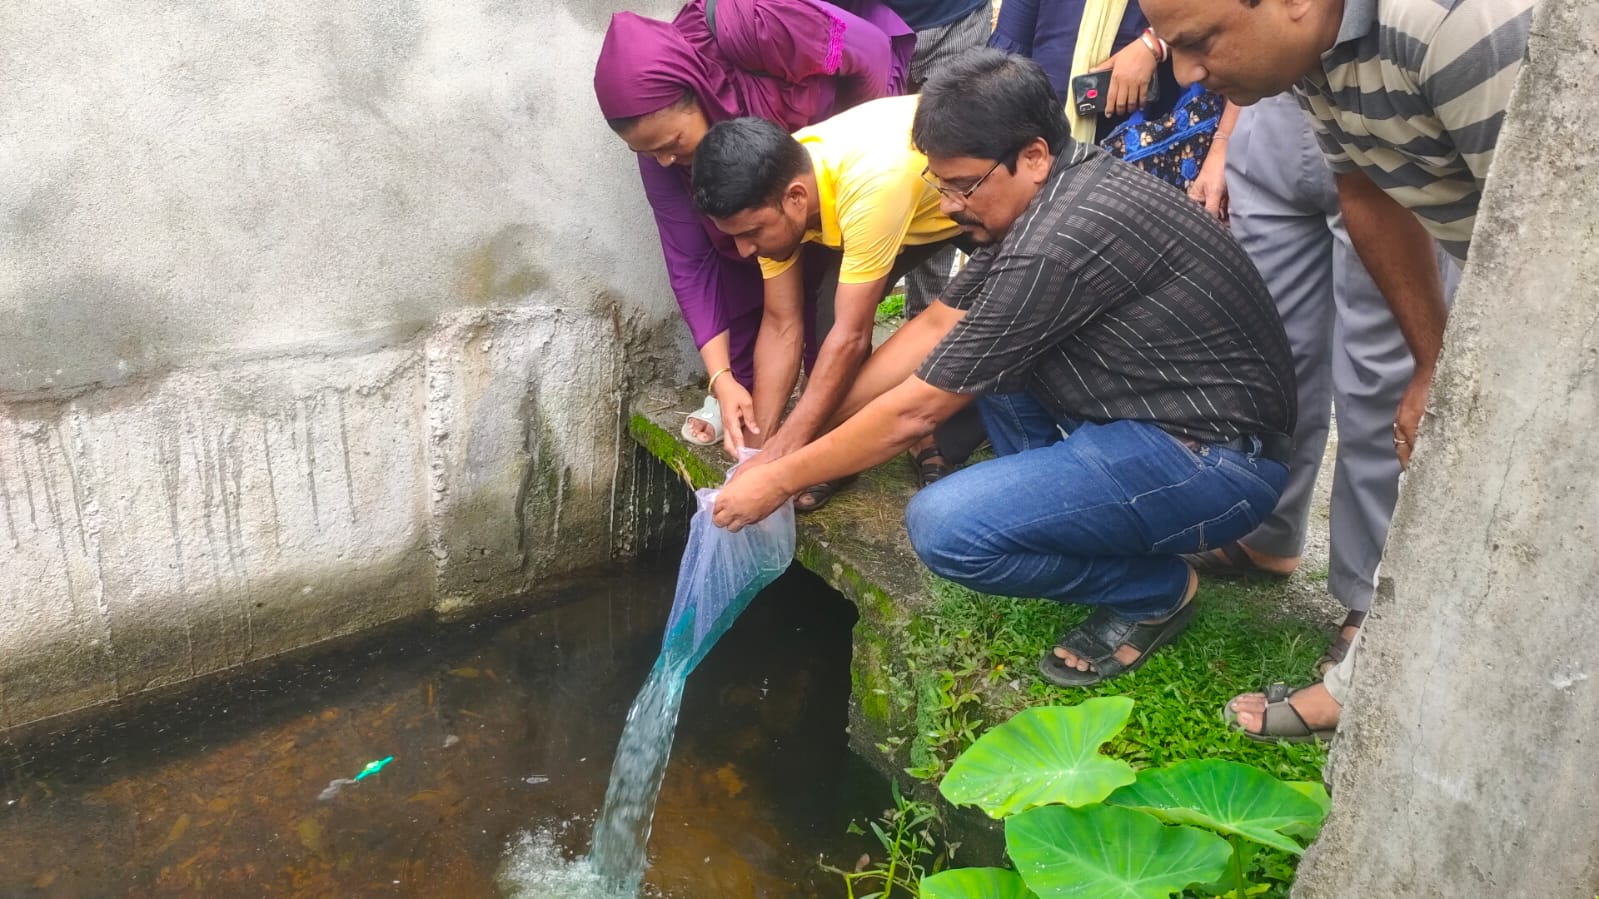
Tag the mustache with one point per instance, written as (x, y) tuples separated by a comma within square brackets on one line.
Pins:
[(961, 218)]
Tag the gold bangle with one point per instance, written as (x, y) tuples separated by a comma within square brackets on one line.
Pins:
[(710, 385)]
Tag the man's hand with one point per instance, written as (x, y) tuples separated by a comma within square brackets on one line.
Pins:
[(1408, 419), (738, 414), (1130, 70), (1210, 189), (1402, 260), (749, 497)]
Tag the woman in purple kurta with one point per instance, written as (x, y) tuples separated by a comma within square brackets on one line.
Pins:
[(661, 85)]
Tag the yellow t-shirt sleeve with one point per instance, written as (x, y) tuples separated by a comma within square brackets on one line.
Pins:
[(874, 216), (771, 268)]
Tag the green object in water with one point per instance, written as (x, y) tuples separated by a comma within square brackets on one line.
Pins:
[(373, 767)]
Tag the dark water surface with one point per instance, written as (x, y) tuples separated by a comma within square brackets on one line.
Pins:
[(502, 735)]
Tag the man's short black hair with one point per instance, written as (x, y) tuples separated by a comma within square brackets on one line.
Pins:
[(745, 164), (988, 104)]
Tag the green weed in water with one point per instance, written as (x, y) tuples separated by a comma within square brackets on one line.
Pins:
[(909, 834)]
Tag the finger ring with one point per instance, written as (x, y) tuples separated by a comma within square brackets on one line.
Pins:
[(1400, 441)]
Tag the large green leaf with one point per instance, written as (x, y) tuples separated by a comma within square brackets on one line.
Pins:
[(1043, 756), (975, 883), (1318, 795), (1103, 852), (1227, 797)]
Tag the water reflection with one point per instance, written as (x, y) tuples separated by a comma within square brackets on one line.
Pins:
[(501, 736)]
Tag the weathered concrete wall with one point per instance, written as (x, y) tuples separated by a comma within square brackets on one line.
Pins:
[(312, 316), (1467, 765)]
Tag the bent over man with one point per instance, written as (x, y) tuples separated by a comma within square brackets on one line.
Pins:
[(1127, 360)]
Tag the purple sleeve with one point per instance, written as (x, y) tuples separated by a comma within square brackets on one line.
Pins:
[(692, 262), (874, 53), (795, 40)]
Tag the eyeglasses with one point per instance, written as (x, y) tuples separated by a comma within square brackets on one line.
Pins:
[(956, 193)]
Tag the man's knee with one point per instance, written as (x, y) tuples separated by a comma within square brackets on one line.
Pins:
[(930, 520)]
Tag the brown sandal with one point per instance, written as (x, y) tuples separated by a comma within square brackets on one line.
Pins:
[(1340, 647), (1229, 560), (1281, 722)]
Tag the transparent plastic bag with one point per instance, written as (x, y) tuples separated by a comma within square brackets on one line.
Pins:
[(720, 573)]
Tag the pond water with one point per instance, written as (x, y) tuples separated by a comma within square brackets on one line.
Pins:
[(502, 735)]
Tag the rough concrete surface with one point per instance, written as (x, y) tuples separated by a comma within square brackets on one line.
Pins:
[(313, 316), (1467, 765)]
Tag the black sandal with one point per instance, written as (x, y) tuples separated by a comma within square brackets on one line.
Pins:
[(928, 471), (817, 495), (1098, 638)]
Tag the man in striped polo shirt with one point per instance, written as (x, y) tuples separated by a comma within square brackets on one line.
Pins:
[(1104, 304), (1406, 98)]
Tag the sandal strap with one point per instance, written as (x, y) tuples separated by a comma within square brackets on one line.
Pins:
[(1095, 639), (928, 453), (1274, 723)]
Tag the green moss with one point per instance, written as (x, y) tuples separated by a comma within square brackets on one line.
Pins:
[(667, 447)]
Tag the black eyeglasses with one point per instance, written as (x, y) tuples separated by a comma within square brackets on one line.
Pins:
[(955, 193)]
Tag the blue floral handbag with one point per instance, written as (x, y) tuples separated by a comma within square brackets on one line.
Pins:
[(1173, 146)]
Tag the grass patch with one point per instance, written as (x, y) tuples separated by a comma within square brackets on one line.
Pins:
[(973, 662), (892, 308)]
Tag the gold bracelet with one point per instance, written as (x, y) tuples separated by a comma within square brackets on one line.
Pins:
[(710, 385)]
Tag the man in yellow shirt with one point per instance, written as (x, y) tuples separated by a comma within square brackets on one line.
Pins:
[(853, 184)]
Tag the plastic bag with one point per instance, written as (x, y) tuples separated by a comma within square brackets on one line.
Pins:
[(721, 572)]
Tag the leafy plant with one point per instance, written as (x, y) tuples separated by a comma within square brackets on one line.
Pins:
[(906, 833), (892, 308), (1083, 826)]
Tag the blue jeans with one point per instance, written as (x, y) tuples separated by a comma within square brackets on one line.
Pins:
[(1096, 518)]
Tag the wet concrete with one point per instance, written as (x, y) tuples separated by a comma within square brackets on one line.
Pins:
[(497, 729)]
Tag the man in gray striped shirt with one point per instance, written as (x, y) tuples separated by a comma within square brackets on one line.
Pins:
[(1406, 98), (1106, 305)]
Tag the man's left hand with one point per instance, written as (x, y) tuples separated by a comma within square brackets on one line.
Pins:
[(749, 497), (1408, 419), (1210, 190)]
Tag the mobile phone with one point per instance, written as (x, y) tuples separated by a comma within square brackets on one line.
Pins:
[(1090, 92)]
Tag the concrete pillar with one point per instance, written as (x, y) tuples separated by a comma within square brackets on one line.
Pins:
[(1469, 761)]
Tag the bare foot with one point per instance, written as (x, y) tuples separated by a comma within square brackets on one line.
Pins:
[(701, 430), (1124, 653), (1313, 703)]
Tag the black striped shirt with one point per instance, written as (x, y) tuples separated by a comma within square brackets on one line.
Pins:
[(1115, 297)]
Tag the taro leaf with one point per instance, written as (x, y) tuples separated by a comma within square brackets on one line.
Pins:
[(1043, 756), (1103, 852), (975, 883), (1318, 794), (1227, 797)]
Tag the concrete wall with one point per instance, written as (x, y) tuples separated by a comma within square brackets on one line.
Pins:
[(313, 315), (1468, 764)]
